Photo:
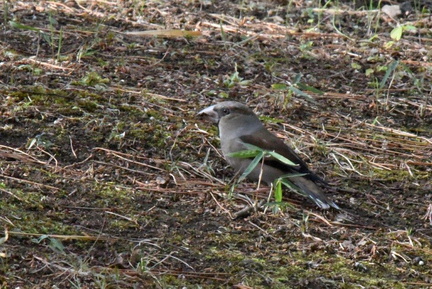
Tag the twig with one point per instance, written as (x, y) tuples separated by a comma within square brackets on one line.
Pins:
[(29, 182)]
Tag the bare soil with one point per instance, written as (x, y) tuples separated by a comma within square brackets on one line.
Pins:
[(109, 180)]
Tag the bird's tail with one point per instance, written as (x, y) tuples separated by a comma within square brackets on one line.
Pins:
[(314, 192)]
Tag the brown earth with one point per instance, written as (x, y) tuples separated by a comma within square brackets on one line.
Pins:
[(109, 180)]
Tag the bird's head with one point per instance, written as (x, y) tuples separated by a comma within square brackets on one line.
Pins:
[(226, 112)]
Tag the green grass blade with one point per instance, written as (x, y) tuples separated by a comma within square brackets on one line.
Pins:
[(309, 88), (281, 158), (17, 25), (278, 191), (245, 154), (251, 166), (291, 186), (302, 94), (389, 71)]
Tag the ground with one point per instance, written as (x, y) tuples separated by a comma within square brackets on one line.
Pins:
[(109, 180)]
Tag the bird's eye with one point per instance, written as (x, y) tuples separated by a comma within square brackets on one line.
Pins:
[(225, 111)]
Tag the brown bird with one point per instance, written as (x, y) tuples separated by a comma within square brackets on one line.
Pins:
[(238, 127)]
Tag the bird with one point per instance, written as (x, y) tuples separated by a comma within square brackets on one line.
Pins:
[(240, 129)]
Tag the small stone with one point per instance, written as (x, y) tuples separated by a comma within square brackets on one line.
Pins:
[(160, 180)]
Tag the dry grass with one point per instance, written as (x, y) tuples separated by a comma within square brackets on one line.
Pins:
[(108, 180)]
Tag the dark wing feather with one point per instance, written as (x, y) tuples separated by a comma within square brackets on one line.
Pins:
[(268, 141)]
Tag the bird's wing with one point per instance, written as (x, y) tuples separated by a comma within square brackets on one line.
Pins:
[(268, 141)]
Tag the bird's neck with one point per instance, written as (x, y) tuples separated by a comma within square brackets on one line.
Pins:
[(238, 126)]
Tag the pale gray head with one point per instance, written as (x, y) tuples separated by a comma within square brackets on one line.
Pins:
[(233, 118)]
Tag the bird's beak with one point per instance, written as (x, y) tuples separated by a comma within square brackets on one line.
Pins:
[(209, 114)]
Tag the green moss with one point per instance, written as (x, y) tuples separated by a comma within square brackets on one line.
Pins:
[(92, 79), (390, 175)]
